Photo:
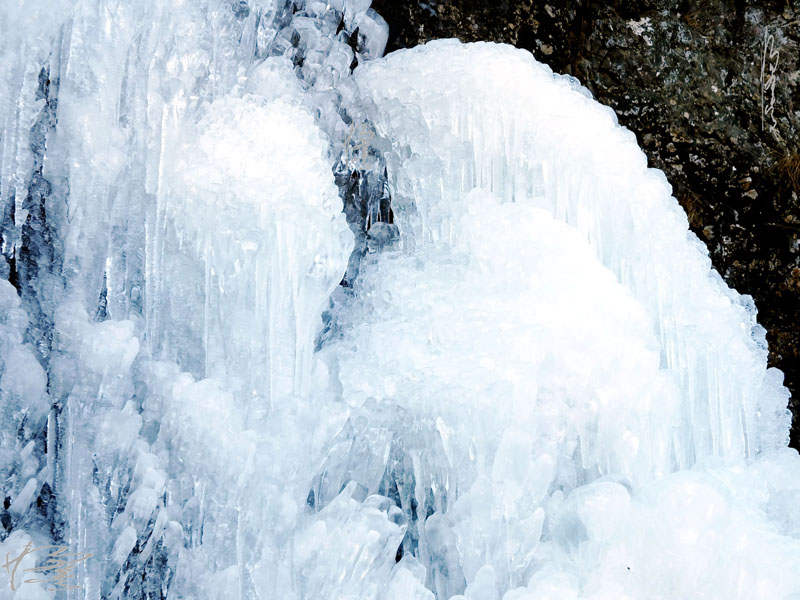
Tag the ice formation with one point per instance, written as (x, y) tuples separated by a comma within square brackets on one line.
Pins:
[(286, 319)]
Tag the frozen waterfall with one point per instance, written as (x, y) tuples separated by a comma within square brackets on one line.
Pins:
[(281, 318)]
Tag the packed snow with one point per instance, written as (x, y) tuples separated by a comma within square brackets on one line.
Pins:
[(282, 318)]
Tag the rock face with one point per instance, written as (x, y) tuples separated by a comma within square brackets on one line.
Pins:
[(712, 90)]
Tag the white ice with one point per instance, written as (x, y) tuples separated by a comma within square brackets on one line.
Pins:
[(538, 389)]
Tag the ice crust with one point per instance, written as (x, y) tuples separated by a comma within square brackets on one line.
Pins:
[(532, 386)]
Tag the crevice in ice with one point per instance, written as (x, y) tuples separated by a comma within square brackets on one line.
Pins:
[(35, 255)]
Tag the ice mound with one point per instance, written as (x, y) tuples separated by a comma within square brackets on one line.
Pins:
[(496, 119), (553, 344), (504, 330), (530, 418)]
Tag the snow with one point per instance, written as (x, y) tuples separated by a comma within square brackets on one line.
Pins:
[(532, 386)]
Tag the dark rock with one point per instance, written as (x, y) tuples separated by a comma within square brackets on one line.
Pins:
[(686, 77)]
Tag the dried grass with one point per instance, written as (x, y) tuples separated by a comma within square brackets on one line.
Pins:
[(788, 169)]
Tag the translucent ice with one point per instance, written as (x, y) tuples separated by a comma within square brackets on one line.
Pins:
[(373, 34), (270, 240)]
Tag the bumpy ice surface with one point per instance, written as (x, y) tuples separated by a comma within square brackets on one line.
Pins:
[(532, 386)]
